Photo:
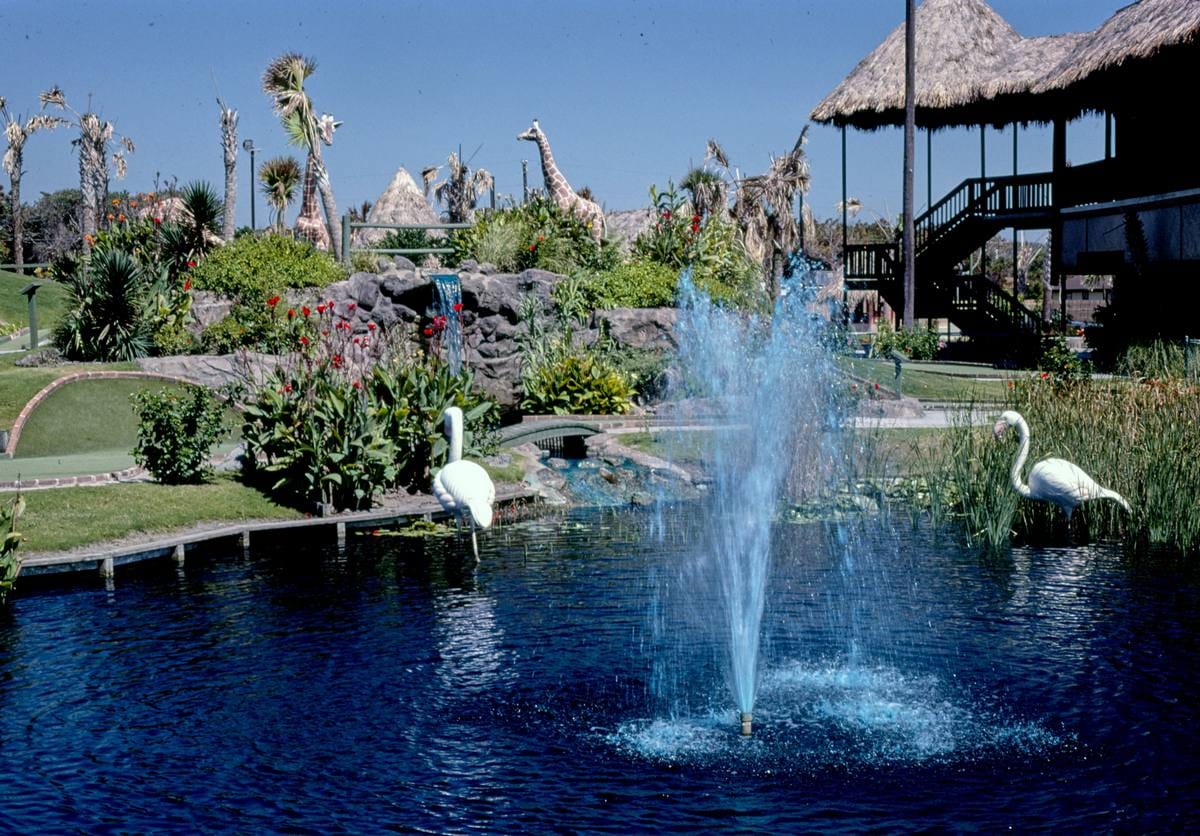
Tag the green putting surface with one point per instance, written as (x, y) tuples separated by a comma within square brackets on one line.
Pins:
[(47, 467)]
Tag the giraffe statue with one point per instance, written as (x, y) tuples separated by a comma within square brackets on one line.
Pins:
[(559, 189)]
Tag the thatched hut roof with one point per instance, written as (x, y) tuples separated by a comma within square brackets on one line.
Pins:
[(972, 67), (1139, 31), (402, 202)]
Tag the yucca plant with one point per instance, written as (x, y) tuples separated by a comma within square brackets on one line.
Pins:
[(109, 320), (202, 215)]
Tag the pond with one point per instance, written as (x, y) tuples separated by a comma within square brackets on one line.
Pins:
[(566, 683)]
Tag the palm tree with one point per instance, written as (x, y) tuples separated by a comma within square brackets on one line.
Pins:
[(459, 191), (279, 177), (229, 120), (709, 191), (17, 130), (93, 141), (283, 81)]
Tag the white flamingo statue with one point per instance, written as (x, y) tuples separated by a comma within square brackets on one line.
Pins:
[(1052, 480), (463, 487)]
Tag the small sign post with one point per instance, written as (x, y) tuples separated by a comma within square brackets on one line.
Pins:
[(30, 290)]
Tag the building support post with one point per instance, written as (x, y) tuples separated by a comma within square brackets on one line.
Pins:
[(1015, 246), (1059, 166), (910, 124), (982, 176)]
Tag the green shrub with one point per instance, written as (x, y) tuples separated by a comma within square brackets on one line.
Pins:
[(408, 239), (634, 284), (176, 432), (364, 263), (921, 343), (1061, 362), (576, 383), (253, 269), (225, 336), (500, 240)]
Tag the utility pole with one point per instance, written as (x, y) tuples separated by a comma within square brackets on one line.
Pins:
[(910, 124)]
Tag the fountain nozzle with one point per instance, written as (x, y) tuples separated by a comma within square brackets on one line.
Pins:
[(747, 722)]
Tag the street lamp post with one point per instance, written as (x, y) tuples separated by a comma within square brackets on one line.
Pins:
[(248, 146)]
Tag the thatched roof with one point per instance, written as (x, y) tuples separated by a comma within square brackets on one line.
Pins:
[(973, 67), (402, 202), (1139, 31)]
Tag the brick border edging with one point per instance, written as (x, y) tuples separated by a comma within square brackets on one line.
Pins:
[(15, 433)]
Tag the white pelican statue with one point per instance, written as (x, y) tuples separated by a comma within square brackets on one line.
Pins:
[(463, 487), (1052, 480)]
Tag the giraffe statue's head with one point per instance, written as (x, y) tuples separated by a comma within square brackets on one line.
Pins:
[(531, 133)]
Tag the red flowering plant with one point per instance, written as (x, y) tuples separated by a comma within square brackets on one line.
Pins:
[(352, 410)]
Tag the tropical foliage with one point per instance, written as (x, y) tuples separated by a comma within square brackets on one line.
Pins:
[(537, 234), (344, 416), (10, 561)]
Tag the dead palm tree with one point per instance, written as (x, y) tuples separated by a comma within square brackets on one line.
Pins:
[(461, 188), (763, 209), (283, 81), (17, 130), (279, 177), (95, 134), (229, 120)]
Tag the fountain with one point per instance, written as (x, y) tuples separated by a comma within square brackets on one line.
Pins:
[(770, 382)]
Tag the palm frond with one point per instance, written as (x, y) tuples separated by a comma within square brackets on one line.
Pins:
[(53, 96)]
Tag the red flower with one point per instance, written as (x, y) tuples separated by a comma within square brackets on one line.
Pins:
[(351, 306), (337, 361), (304, 341), (357, 384), (191, 262), (876, 385), (187, 285), (1045, 375), (305, 310), (325, 333), (329, 304), (428, 332), (666, 213), (321, 308), (273, 301), (287, 387), (695, 219), (370, 326), (532, 247), (158, 220), (541, 238), (458, 307), (291, 313), (356, 340)]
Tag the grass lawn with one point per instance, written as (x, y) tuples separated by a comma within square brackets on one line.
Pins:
[(85, 417), (52, 301), (65, 518), (880, 452), (18, 385), (922, 382)]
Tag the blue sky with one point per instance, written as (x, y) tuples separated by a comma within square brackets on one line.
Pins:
[(628, 92)]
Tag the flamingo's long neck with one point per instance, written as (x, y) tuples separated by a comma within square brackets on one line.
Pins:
[(454, 422), (1022, 454)]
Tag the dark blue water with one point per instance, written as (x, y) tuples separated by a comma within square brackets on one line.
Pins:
[(905, 684)]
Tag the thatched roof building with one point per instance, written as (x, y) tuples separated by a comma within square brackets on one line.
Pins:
[(974, 68)]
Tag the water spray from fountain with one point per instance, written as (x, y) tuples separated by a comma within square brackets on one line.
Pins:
[(768, 382)]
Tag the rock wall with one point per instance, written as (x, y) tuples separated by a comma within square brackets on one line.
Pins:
[(403, 296)]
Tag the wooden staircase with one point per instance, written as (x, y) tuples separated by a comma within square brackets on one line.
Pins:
[(960, 223)]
